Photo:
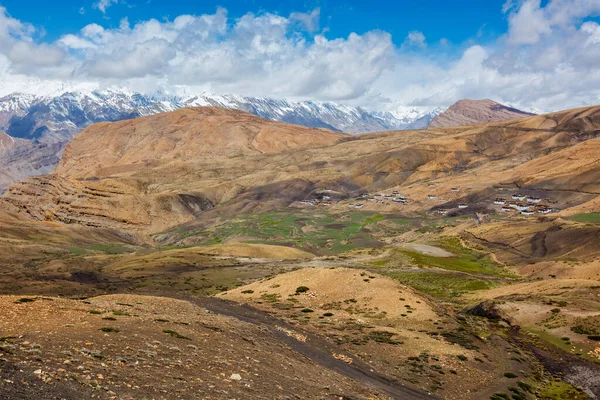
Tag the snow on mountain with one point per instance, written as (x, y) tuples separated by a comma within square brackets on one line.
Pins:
[(57, 118)]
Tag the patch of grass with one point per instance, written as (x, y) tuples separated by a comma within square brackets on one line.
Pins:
[(526, 386), (383, 337), (175, 334), (560, 390), (121, 313), (95, 312), (443, 285), (587, 217), (109, 330), (271, 297), (460, 338), (466, 260)]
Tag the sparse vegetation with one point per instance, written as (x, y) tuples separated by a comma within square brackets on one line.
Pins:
[(25, 300), (302, 289), (109, 330), (175, 334)]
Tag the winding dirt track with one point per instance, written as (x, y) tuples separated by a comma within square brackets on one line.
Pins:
[(316, 348)]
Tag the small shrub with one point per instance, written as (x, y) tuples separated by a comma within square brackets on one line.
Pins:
[(249, 291), (108, 330), (525, 386), (328, 314), (499, 396), (555, 310), (175, 334), (462, 357), (583, 330), (109, 318), (306, 310), (302, 289), (25, 300), (594, 337), (161, 320), (382, 337), (510, 375), (95, 312), (121, 313)]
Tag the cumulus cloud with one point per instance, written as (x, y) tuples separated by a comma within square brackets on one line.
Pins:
[(103, 5), (415, 38), (18, 46), (549, 58)]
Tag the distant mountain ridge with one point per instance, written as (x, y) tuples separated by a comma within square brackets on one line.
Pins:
[(58, 118), (42, 125), (467, 112)]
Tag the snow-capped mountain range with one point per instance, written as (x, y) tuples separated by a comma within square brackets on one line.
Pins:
[(58, 118)]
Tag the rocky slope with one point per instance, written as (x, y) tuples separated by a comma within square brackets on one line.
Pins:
[(466, 112), (20, 158), (156, 172)]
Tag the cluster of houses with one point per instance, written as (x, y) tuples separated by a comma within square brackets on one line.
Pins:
[(394, 197), (323, 199), (526, 205), (381, 198)]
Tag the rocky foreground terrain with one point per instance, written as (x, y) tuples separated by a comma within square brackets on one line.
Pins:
[(211, 253)]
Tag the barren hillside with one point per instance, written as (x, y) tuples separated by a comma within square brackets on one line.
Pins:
[(466, 112)]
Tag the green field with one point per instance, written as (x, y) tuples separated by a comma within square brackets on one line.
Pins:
[(442, 285), (465, 259), (319, 233), (588, 217)]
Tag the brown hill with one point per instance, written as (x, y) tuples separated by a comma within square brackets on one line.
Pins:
[(156, 172), (184, 135), (467, 112)]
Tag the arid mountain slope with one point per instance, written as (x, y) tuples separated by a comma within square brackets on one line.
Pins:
[(156, 172), (182, 136), (20, 158), (466, 112)]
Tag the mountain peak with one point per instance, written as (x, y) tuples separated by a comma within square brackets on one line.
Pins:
[(466, 112)]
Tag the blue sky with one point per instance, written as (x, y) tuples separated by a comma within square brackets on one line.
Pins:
[(540, 55), (455, 20)]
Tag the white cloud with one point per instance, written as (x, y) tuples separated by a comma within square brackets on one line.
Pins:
[(103, 5), (309, 20), (549, 59), (415, 38)]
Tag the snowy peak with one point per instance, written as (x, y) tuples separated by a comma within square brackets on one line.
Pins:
[(57, 118)]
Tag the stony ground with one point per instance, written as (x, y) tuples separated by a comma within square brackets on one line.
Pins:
[(137, 347)]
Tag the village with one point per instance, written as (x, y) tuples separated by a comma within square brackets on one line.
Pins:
[(515, 204)]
